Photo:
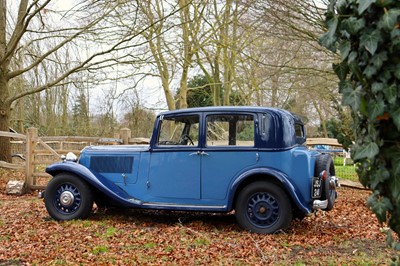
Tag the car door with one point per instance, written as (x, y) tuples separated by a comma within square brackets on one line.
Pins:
[(228, 151), (174, 173)]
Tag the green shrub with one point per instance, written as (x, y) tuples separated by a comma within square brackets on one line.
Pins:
[(367, 35)]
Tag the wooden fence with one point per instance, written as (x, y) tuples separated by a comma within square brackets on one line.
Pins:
[(33, 153)]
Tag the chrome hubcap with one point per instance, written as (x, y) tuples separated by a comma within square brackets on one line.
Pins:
[(67, 198)]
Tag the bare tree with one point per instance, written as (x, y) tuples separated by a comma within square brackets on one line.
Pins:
[(151, 12), (172, 43), (191, 18), (27, 31), (298, 64), (224, 39), (42, 24)]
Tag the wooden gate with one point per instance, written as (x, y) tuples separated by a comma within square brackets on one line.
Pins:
[(38, 152)]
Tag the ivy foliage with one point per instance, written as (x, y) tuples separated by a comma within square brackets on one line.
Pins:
[(366, 33)]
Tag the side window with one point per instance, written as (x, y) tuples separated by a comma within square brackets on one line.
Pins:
[(230, 130), (181, 130)]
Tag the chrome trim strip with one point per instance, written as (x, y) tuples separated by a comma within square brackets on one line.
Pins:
[(183, 206)]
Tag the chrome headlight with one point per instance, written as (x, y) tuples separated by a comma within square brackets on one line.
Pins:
[(69, 157)]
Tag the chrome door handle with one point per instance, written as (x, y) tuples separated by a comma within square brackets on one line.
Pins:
[(199, 153)]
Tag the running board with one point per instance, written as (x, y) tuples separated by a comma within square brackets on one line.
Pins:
[(183, 206)]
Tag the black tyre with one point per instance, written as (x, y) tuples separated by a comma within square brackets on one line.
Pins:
[(263, 207), (67, 197), (325, 162)]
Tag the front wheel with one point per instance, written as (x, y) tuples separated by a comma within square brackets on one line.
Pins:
[(67, 197), (263, 207)]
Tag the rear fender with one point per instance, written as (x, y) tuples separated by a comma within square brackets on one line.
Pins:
[(277, 175), (97, 181)]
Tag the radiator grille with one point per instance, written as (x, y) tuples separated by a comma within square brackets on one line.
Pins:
[(111, 164)]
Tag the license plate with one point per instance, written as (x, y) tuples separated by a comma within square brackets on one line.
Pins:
[(316, 187)]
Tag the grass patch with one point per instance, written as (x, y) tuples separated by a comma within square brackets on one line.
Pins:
[(347, 171), (149, 245), (169, 249), (99, 249), (111, 231), (202, 241)]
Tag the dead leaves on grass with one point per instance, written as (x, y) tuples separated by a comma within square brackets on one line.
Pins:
[(349, 233)]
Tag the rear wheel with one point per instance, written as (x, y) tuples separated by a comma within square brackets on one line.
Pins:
[(263, 207), (67, 197), (325, 163)]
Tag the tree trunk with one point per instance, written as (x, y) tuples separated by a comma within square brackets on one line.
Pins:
[(5, 146), (274, 90), (187, 53), (216, 86), (321, 117), (225, 31), (5, 112)]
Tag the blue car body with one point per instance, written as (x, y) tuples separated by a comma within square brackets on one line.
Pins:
[(199, 173)]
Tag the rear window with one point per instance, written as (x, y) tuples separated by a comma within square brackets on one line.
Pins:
[(300, 133)]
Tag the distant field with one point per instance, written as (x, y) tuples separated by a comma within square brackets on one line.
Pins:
[(345, 172)]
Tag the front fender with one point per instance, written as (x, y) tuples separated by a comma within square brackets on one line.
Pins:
[(102, 184), (293, 192)]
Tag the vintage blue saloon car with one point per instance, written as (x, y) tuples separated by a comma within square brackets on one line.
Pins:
[(248, 159)]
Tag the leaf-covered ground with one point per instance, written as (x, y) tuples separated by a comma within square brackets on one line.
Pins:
[(348, 235)]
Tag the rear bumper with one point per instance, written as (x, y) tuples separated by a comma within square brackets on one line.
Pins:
[(320, 204), (323, 204)]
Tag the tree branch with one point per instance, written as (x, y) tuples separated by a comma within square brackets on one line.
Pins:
[(83, 65), (22, 24)]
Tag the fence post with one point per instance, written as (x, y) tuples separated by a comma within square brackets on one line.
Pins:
[(31, 141), (125, 134)]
